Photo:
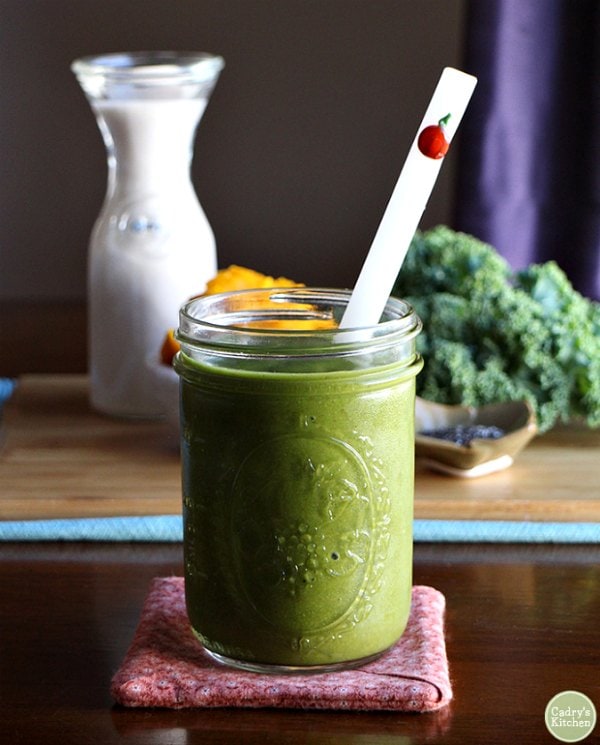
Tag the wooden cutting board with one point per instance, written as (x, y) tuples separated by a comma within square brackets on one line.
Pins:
[(58, 458)]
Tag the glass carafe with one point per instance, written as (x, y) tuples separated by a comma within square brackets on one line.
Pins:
[(151, 247)]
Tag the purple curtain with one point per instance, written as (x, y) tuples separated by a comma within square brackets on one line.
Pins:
[(529, 163)]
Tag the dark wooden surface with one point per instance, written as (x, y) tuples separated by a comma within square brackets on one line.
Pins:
[(522, 625)]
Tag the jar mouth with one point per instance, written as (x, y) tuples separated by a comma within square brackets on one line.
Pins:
[(296, 321)]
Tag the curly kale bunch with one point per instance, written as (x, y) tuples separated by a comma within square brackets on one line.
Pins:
[(491, 334)]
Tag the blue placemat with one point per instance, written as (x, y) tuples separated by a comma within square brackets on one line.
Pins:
[(7, 386), (168, 528), (151, 528)]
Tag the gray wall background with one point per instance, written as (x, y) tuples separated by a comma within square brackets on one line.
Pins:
[(296, 156)]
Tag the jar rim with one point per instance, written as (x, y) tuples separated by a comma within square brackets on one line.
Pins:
[(206, 322)]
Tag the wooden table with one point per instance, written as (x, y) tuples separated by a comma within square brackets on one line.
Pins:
[(60, 459), (522, 620)]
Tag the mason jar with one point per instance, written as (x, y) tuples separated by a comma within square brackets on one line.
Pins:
[(297, 443)]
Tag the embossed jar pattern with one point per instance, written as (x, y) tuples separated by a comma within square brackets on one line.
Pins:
[(297, 449)]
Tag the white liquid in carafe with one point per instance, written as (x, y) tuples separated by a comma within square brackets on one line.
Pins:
[(151, 249)]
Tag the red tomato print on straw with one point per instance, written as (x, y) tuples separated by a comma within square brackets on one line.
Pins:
[(432, 141)]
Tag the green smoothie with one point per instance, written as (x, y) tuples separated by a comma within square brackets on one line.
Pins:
[(297, 506)]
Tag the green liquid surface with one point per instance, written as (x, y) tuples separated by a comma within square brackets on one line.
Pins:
[(297, 503)]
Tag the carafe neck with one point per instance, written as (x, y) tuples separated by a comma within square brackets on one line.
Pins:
[(149, 143)]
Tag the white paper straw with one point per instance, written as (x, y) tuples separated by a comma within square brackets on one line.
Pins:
[(406, 205)]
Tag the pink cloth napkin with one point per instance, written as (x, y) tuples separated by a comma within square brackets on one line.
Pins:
[(167, 667)]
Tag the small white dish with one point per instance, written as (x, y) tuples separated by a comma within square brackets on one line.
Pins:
[(481, 456)]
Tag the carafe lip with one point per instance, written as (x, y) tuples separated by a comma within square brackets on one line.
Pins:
[(146, 65)]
